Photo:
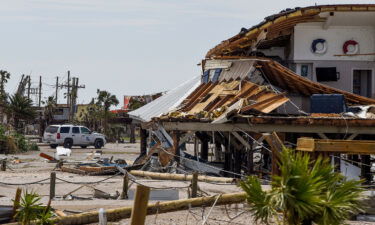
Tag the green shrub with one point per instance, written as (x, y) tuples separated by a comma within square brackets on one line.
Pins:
[(306, 191), (21, 142), (33, 146)]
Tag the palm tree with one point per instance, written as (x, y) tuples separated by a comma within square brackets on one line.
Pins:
[(4, 77), (20, 108), (49, 108), (105, 100), (305, 192)]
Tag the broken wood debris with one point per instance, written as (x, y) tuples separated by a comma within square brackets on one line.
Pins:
[(160, 207)]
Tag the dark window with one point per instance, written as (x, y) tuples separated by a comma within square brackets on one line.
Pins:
[(84, 130), (64, 130), (206, 76), (51, 129), (327, 74), (75, 130), (216, 75), (304, 70)]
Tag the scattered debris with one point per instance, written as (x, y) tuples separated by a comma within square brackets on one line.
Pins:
[(61, 151)]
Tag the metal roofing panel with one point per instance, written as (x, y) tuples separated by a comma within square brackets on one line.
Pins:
[(171, 100), (231, 69)]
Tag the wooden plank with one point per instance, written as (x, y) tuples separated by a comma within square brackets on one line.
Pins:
[(305, 144), (337, 146), (264, 106), (72, 170)]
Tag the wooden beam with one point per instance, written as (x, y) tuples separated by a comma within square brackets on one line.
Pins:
[(337, 146), (243, 141), (266, 128), (276, 147)]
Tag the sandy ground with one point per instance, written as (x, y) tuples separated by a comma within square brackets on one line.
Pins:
[(34, 168)]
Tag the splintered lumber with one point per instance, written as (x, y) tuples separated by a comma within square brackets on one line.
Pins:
[(155, 208), (337, 146), (50, 158), (181, 177), (72, 170)]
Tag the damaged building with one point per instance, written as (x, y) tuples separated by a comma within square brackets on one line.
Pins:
[(303, 78)]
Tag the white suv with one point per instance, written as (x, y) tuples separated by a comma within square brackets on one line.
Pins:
[(72, 135)]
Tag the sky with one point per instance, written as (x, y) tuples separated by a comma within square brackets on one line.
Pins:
[(125, 47)]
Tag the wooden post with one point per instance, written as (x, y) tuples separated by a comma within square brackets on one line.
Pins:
[(125, 187), (3, 165), (52, 185), (218, 151), (250, 160), (196, 146), (17, 199), (143, 134), (365, 168), (139, 211), (194, 185), (132, 133), (176, 144)]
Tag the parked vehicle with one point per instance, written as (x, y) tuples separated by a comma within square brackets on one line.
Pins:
[(72, 135)]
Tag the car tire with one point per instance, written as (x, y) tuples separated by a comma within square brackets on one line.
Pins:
[(68, 143), (98, 144), (84, 146), (53, 146)]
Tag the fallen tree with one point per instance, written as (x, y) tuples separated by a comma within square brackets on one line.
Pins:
[(180, 177), (159, 207)]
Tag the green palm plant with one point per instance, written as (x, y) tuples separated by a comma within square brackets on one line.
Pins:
[(32, 210), (20, 108), (306, 191)]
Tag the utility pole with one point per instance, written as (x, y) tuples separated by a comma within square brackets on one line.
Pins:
[(57, 88), (72, 94), (68, 94), (28, 87), (40, 89)]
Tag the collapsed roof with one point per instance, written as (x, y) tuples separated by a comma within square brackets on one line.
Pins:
[(253, 85), (276, 29)]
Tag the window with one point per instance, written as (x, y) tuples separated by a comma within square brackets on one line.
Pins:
[(304, 70), (84, 130), (75, 130), (52, 129), (206, 76), (64, 130), (327, 74), (217, 73)]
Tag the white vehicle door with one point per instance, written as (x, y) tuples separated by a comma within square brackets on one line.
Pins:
[(76, 135), (85, 136)]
